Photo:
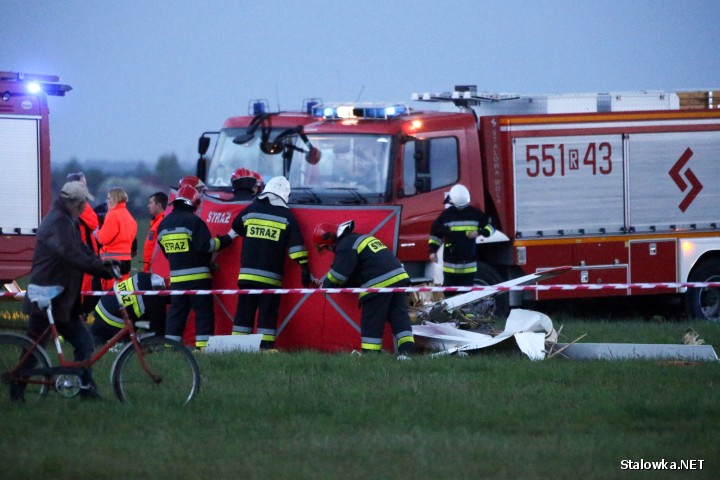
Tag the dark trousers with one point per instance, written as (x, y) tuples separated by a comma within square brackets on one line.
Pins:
[(381, 307), (180, 306), (457, 280), (267, 306)]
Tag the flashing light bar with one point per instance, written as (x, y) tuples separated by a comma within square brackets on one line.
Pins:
[(360, 111), (34, 84)]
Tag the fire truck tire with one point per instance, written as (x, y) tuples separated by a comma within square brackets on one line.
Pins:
[(487, 275), (704, 303)]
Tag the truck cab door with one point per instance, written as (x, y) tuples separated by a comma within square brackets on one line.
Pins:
[(428, 167)]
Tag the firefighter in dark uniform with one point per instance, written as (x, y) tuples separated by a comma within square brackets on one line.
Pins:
[(188, 245), (246, 184), (269, 230), (364, 261), (457, 227), (108, 319)]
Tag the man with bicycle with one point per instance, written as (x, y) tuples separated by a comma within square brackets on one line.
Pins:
[(61, 258)]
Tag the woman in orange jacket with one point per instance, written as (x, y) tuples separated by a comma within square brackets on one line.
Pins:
[(117, 233)]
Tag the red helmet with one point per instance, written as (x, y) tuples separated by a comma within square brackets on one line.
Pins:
[(245, 179), (242, 172), (325, 235), (260, 181), (188, 195), (193, 181)]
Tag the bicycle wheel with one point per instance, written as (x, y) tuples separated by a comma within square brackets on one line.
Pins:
[(177, 374), (12, 347)]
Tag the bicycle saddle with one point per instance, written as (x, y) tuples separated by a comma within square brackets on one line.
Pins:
[(42, 295)]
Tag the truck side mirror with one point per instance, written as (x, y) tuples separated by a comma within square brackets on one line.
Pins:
[(313, 156), (201, 168), (203, 145)]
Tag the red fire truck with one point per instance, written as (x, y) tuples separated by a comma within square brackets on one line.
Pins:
[(25, 154), (621, 186)]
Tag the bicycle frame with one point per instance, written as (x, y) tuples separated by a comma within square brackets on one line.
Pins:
[(128, 330), (148, 367)]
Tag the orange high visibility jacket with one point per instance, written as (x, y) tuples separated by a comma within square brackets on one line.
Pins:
[(151, 241), (88, 224), (117, 234)]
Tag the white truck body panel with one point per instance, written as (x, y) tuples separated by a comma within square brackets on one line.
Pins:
[(20, 182), (593, 184), (637, 101)]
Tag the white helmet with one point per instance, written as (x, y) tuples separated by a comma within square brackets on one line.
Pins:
[(278, 186), (459, 196)]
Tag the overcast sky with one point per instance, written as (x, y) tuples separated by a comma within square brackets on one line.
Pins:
[(149, 77)]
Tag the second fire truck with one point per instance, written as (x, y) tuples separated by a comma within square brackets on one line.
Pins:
[(620, 186)]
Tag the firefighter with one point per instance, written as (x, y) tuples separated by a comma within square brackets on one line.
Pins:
[(269, 230), (108, 319), (117, 234), (188, 245), (364, 261), (457, 227), (246, 184), (157, 203), (194, 182)]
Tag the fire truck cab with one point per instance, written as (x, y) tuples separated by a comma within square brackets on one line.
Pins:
[(259, 141)]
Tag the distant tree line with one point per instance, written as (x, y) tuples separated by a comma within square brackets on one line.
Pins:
[(139, 182)]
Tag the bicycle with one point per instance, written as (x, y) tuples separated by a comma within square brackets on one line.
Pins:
[(148, 368)]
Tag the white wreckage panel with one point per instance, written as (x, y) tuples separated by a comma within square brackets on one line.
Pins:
[(526, 328), (533, 334)]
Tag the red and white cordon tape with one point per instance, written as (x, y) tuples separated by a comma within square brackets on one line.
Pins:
[(283, 291)]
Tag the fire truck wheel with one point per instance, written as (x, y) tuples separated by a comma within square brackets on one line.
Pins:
[(704, 303), (499, 305)]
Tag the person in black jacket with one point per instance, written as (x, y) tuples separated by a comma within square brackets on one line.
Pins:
[(188, 245), (457, 227), (270, 231), (60, 258), (364, 261), (246, 184)]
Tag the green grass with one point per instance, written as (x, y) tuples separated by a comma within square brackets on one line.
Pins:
[(309, 415)]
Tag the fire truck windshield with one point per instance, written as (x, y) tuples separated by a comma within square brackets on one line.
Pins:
[(229, 156), (351, 169)]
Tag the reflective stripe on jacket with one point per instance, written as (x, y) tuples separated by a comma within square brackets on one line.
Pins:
[(364, 261), (186, 241), (269, 232)]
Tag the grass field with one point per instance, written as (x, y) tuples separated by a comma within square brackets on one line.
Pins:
[(308, 415)]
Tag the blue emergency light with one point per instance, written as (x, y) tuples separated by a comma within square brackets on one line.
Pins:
[(34, 88), (309, 104), (258, 107), (360, 111), (34, 84)]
